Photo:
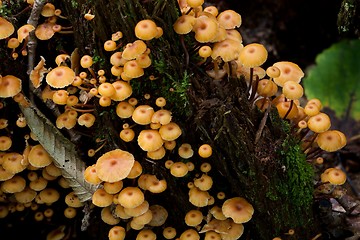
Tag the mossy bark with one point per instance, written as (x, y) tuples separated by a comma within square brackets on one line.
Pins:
[(272, 173), (349, 19)]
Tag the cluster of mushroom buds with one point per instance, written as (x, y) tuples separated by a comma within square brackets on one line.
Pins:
[(43, 31), (28, 181)]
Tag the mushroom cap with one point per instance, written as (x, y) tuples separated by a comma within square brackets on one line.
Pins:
[(37, 74), (117, 60), (13, 185), (169, 232), (131, 197), (233, 232), (229, 19), (143, 60), (292, 90), (117, 233), (110, 45), (267, 88), (48, 10), (25, 196), (190, 234), (289, 71), (38, 184), (184, 24), (336, 176), (45, 31), (106, 89), (238, 209), (161, 116), (185, 151), (319, 123), (123, 90), (91, 176), (157, 154), (5, 175), (159, 215), (142, 114), (113, 187), (5, 143), (170, 131), (23, 31), (13, 162), (253, 55), (101, 198), (150, 140), (124, 109), (49, 195), (86, 61), (330, 140), (146, 234), (205, 29), (146, 29), (133, 50), (39, 157), (198, 198), (132, 69), (136, 170), (72, 200), (9, 86), (61, 76), (86, 119), (114, 165), (227, 49), (6, 28), (193, 217), (108, 217), (137, 211), (205, 150)]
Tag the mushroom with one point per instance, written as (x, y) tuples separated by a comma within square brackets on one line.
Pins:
[(114, 165), (108, 217), (101, 198), (9, 86), (205, 151), (169, 232), (39, 157), (149, 140), (229, 19), (146, 29), (131, 197), (190, 234), (193, 218), (238, 209), (61, 76), (117, 233), (37, 74), (6, 28)]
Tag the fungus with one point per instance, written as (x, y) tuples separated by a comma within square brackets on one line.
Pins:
[(49, 195), (5, 175), (292, 90), (124, 109), (39, 157), (45, 31), (190, 234), (113, 187), (198, 198), (193, 218), (253, 55), (70, 212), (170, 131), (12, 162), (184, 24), (205, 151), (238, 209), (204, 183), (60, 97), (132, 69), (178, 169), (110, 45), (5, 143), (6, 28), (289, 71), (169, 232), (38, 184), (108, 217), (9, 86), (136, 170), (227, 50), (146, 29), (331, 140), (157, 154), (319, 123), (117, 233), (185, 151), (234, 231), (123, 90), (14, 184), (101, 198), (134, 50), (60, 77), (37, 74), (149, 140), (205, 29), (86, 119), (131, 197), (229, 19), (86, 61), (137, 211), (114, 165)]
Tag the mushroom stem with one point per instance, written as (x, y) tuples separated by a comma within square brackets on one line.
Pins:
[(307, 148), (66, 32), (82, 110), (254, 88), (92, 72), (251, 81), (288, 111)]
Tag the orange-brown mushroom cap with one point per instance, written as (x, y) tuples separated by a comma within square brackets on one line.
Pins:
[(9, 86), (114, 165), (238, 209), (60, 77), (6, 28)]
